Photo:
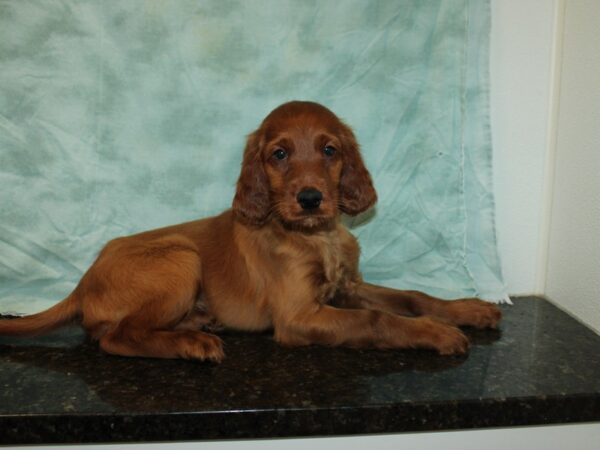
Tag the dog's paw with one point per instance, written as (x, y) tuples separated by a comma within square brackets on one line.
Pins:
[(472, 312), (444, 338), (452, 341), (205, 346)]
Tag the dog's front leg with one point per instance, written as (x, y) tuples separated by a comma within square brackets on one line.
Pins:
[(327, 325), (462, 312)]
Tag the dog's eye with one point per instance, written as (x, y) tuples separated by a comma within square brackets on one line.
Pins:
[(328, 150), (280, 154)]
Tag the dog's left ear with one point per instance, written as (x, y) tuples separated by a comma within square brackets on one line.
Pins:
[(252, 200), (357, 193)]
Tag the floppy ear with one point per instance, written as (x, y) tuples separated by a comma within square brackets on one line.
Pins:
[(357, 193), (252, 200)]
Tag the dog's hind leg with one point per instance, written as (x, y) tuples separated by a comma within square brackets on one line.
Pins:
[(187, 344), (139, 295), (156, 331)]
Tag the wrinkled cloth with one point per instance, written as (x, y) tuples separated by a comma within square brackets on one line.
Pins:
[(124, 117)]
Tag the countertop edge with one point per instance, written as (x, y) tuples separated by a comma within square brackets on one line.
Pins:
[(285, 423)]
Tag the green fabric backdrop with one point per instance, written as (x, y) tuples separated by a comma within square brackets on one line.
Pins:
[(120, 116)]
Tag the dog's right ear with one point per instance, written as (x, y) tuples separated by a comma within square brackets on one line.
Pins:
[(252, 199)]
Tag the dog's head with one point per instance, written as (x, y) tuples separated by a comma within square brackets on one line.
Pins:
[(302, 166)]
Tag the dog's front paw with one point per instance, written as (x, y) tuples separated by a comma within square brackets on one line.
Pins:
[(472, 312), (445, 339), (452, 341)]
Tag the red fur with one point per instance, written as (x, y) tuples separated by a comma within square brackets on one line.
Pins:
[(265, 264)]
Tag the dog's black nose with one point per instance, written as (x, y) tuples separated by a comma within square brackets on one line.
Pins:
[(309, 198)]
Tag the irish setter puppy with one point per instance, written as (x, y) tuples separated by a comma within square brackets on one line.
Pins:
[(279, 259)]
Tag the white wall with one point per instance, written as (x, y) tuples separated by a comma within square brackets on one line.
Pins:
[(573, 278), (545, 98), (522, 71)]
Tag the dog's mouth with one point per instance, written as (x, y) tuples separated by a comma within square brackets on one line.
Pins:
[(309, 223), (312, 218), (304, 211), (309, 219)]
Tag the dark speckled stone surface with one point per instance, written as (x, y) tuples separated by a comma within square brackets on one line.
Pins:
[(542, 367)]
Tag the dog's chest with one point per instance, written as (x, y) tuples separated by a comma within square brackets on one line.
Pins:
[(328, 272)]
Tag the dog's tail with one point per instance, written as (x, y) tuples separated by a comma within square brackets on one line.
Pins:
[(60, 314)]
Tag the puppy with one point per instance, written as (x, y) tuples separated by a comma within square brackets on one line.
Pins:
[(280, 259)]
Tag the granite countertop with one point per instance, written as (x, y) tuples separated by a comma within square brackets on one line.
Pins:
[(541, 367)]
